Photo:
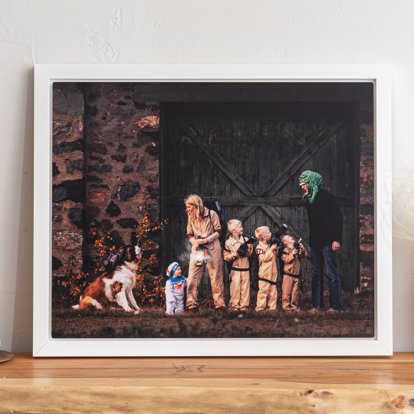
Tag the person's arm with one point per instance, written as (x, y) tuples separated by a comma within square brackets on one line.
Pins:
[(191, 237), (249, 250), (190, 232), (212, 237), (215, 221), (287, 257), (169, 297), (303, 251), (266, 256), (228, 255)]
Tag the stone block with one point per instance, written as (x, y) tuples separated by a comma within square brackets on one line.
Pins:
[(67, 99), (68, 240), (68, 190), (75, 215), (113, 209), (127, 223), (74, 165), (127, 190), (63, 147)]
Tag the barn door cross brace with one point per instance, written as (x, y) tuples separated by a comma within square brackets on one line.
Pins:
[(310, 150), (235, 178), (273, 212)]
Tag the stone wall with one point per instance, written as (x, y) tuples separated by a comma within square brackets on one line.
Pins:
[(105, 166), (366, 197), (68, 178), (121, 161)]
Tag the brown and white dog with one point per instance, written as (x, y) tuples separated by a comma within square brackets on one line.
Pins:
[(116, 288)]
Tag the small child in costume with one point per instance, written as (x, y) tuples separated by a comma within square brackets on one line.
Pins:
[(240, 270), (267, 294), (175, 289), (291, 273)]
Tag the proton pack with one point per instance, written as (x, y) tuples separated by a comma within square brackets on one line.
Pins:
[(213, 204)]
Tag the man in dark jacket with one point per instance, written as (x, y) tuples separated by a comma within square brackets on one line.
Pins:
[(325, 223)]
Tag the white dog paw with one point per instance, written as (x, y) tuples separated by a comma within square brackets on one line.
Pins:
[(136, 312)]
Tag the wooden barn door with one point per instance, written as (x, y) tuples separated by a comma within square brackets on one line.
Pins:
[(249, 156)]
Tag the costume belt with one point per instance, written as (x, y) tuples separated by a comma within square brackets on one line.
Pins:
[(267, 280), (291, 274)]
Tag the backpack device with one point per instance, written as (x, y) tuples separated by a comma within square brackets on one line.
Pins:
[(213, 204)]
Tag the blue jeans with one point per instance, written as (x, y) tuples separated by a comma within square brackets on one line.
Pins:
[(322, 258)]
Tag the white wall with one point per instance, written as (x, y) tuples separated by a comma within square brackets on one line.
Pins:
[(190, 31)]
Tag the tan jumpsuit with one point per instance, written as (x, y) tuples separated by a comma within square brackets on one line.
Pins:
[(267, 294), (208, 225), (239, 279), (291, 279)]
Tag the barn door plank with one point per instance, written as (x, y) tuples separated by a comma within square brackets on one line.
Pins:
[(278, 219), (246, 212), (215, 157), (297, 163)]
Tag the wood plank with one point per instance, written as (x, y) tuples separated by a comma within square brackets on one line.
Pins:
[(253, 92), (208, 385), (394, 370), (222, 164), (246, 212), (277, 201), (296, 164), (210, 398), (277, 218)]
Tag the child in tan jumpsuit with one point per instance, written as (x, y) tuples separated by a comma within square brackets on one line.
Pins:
[(291, 273), (203, 231), (240, 271), (267, 294)]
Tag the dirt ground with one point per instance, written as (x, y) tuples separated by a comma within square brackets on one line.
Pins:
[(357, 320)]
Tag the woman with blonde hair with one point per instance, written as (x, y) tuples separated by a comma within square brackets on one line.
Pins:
[(203, 232)]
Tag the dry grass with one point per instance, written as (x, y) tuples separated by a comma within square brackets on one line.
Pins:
[(357, 320)]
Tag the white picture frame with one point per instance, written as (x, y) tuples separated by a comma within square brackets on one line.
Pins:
[(46, 346)]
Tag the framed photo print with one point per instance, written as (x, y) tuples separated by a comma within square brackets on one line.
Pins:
[(212, 210)]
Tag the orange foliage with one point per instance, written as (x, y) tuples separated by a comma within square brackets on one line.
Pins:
[(150, 290)]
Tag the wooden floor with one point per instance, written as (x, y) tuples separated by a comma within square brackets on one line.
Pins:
[(208, 385)]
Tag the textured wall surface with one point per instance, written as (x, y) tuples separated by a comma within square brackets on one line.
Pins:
[(185, 31), (366, 198), (68, 177), (105, 167), (121, 141)]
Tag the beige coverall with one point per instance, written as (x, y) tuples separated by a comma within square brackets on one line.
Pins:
[(291, 279), (267, 294), (207, 226), (239, 279)]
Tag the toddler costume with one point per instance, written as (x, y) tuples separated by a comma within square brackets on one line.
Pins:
[(267, 294), (291, 278), (239, 274), (174, 291)]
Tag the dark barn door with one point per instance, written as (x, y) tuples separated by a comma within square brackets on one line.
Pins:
[(249, 156)]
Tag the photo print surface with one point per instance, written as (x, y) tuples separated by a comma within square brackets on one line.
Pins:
[(213, 210)]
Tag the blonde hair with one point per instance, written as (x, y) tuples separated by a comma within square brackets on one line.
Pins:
[(260, 231), (232, 224), (195, 201), (284, 237)]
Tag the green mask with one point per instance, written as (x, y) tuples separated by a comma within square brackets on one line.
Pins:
[(312, 180)]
